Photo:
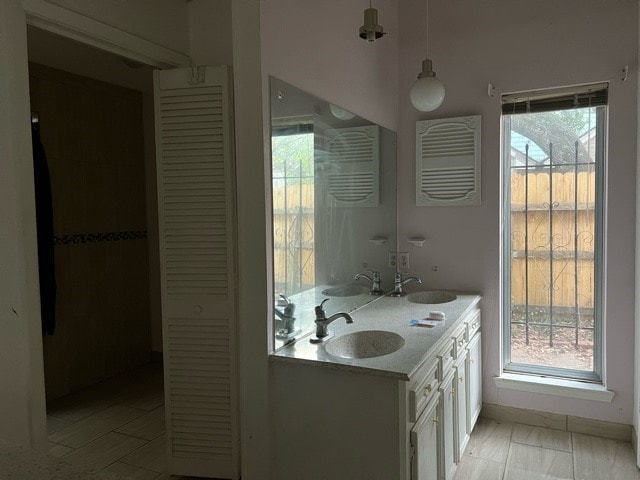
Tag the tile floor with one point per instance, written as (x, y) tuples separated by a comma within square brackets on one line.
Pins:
[(510, 451), (116, 426)]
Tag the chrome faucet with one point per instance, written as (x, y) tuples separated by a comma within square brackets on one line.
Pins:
[(322, 323), (398, 282), (288, 319), (375, 281)]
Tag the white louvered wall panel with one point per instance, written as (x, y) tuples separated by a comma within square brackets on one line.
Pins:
[(448, 161), (195, 196), (354, 166)]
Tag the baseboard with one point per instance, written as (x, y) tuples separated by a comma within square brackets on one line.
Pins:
[(557, 421), (156, 357)]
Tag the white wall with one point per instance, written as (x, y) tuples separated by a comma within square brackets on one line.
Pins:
[(519, 46), (315, 46), (636, 383), (22, 399), (210, 32)]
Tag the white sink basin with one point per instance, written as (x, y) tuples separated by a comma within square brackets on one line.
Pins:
[(431, 297), (349, 290), (365, 344)]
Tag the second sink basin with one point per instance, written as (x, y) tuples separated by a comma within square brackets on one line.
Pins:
[(365, 344), (431, 297), (349, 290)]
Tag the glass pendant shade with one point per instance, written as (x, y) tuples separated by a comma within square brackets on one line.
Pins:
[(427, 93)]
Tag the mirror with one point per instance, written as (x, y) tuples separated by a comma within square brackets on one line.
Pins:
[(334, 208)]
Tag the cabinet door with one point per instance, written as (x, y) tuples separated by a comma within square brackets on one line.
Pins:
[(474, 381), (424, 443), (447, 430), (461, 408)]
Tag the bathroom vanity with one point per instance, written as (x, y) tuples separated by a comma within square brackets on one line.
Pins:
[(406, 414)]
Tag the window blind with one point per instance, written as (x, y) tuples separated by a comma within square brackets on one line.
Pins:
[(593, 95)]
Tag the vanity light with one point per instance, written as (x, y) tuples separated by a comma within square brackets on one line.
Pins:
[(340, 113), (427, 93), (371, 30)]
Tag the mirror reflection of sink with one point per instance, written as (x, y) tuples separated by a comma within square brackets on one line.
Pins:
[(365, 344), (431, 297), (349, 290)]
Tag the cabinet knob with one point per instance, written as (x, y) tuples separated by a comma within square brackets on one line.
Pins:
[(427, 390), (474, 324), (471, 360), (436, 420), (461, 379), (460, 342)]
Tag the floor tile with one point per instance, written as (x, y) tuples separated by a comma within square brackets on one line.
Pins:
[(130, 471), (490, 440), (105, 450), (95, 426), (54, 424), (151, 456), (148, 426), (57, 450), (472, 468), (597, 458), (534, 463), (541, 437)]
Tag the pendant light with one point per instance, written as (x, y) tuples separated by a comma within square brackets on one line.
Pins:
[(427, 92), (371, 30)]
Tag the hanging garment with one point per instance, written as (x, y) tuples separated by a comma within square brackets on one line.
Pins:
[(44, 224)]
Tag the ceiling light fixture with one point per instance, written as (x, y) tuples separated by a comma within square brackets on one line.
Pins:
[(427, 92), (371, 31)]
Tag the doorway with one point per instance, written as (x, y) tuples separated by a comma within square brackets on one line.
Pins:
[(103, 370)]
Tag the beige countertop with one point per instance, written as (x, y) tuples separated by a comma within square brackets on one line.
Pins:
[(390, 314)]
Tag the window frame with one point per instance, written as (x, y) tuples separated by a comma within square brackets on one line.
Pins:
[(595, 376)]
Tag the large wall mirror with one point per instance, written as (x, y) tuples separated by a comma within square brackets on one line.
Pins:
[(334, 209)]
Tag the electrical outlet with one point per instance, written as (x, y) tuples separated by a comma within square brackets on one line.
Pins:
[(393, 259), (403, 261)]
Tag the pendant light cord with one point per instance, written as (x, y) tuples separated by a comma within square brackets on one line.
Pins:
[(427, 29)]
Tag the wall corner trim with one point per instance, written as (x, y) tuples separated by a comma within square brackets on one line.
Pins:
[(69, 24), (554, 386)]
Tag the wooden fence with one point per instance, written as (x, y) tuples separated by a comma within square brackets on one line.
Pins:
[(558, 241)]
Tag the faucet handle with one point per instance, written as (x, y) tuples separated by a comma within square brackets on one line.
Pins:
[(376, 275), (320, 314), (285, 298)]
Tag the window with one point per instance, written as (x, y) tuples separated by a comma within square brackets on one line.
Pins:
[(553, 164), (293, 208)]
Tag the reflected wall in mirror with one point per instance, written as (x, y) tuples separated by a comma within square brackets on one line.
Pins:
[(334, 208)]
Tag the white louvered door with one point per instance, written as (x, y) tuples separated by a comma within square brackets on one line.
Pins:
[(353, 170), (448, 161), (196, 213)]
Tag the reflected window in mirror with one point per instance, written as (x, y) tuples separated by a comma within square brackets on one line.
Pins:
[(334, 209), (292, 167)]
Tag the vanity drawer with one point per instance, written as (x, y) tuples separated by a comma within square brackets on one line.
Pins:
[(473, 324), (459, 341), (423, 390), (445, 359)]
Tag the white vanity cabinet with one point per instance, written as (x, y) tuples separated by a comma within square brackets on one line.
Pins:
[(447, 438), (461, 399), (424, 443), (333, 420), (474, 380)]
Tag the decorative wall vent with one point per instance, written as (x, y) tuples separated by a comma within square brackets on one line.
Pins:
[(353, 170), (448, 161)]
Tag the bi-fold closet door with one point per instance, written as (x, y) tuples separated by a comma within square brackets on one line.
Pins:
[(196, 210)]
